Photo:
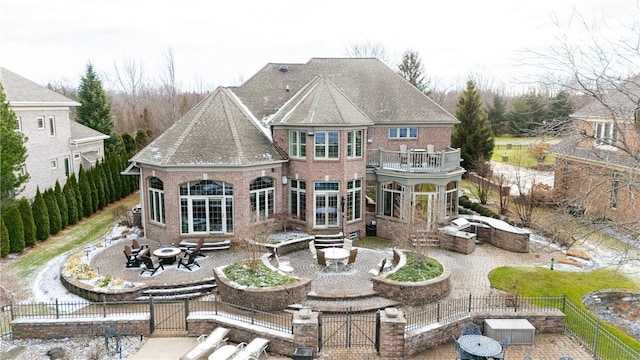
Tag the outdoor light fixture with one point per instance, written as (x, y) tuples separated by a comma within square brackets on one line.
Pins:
[(552, 260)]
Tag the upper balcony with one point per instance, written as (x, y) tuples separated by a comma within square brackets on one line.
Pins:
[(418, 161)]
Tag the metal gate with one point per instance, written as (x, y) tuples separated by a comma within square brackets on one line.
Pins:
[(168, 317), (349, 329)]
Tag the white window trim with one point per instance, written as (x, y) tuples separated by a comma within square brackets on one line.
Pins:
[(40, 120), (407, 129), (18, 124), (54, 164), (326, 145), (604, 139), (298, 192), (297, 144), (351, 199), (224, 199), (52, 125), (352, 144), (327, 194), (269, 208), (156, 204)]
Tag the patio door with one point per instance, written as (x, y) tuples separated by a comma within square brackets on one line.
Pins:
[(425, 208)]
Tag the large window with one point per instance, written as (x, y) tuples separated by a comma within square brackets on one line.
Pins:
[(156, 200), (354, 144), (326, 204), (297, 144), (298, 199), (206, 207), (261, 195), (451, 194), (354, 200), (327, 144), (606, 133), (403, 133), (392, 199)]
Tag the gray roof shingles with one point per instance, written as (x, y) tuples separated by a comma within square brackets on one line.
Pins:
[(22, 91), (216, 132), (81, 132), (381, 94)]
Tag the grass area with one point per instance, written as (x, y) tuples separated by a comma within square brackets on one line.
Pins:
[(519, 154), (26, 266), (414, 272), (528, 281)]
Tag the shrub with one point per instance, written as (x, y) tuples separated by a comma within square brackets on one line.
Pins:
[(4, 239), (28, 224), (55, 219), (123, 216), (40, 216), (15, 229)]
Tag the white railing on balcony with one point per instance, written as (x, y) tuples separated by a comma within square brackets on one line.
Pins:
[(414, 160)]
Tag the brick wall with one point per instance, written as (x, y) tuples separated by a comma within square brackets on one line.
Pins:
[(457, 244), (131, 325), (510, 241), (414, 293)]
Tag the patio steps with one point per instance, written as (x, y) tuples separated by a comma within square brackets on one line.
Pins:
[(179, 291), (365, 302)]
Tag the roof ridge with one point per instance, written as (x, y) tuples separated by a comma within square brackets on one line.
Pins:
[(305, 91), (232, 126)]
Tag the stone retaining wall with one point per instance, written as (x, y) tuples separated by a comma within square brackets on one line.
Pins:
[(90, 292), (131, 325), (263, 299), (509, 241), (414, 293), (457, 243)]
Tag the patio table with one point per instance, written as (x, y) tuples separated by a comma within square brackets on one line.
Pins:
[(480, 345), (167, 254), (335, 255)]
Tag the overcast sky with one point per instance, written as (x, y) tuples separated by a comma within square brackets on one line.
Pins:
[(222, 42)]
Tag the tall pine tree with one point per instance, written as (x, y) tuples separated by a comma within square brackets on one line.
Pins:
[(62, 205), (473, 134), (85, 190), (72, 207), (411, 69), (28, 224), (15, 229), (40, 216), (13, 153), (497, 115), (95, 111), (55, 220), (4, 239)]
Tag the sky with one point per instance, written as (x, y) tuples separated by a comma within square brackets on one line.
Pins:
[(225, 42)]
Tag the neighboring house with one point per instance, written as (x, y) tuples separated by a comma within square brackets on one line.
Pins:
[(56, 145), (598, 167), (308, 141)]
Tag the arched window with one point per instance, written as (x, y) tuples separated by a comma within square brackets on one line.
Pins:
[(206, 207), (261, 195), (156, 200)]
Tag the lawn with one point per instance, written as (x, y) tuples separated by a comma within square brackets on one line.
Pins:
[(528, 281), (519, 153)]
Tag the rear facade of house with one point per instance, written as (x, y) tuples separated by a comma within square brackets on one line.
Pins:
[(331, 145)]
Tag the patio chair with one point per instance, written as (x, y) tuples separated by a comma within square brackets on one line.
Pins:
[(188, 261), (207, 343), (321, 259), (504, 343), (461, 354), (252, 350), (471, 329), (352, 256), (404, 155), (312, 248), (132, 259), (347, 244), (283, 265), (150, 265), (376, 272), (136, 248), (198, 248)]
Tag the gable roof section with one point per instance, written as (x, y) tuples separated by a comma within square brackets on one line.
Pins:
[(319, 103), (24, 92), (570, 147), (83, 134), (619, 103), (216, 132), (381, 94)]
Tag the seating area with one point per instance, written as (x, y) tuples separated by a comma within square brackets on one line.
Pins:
[(150, 265), (243, 351), (189, 260), (472, 345)]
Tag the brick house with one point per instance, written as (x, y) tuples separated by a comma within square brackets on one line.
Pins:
[(597, 167), (56, 145), (310, 141)]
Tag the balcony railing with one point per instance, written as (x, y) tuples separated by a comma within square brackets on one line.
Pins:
[(414, 160)]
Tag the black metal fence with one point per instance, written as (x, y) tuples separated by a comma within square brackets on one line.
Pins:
[(275, 321), (602, 343)]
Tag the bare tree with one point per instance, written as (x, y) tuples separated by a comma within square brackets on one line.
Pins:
[(130, 78), (368, 49), (483, 179), (504, 194), (415, 231), (169, 84)]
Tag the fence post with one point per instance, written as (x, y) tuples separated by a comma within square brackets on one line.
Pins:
[(469, 303), (57, 310), (595, 339), (515, 306), (564, 304), (186, 313), (104, 306), (253, 314), (152, 324), (438, 311), (215, 303)]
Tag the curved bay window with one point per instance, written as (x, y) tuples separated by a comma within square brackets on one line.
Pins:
[(261, 195), (206, 207), (156, 200)]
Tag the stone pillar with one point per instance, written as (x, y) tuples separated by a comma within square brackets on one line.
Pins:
[(305, 329), (392, 324)]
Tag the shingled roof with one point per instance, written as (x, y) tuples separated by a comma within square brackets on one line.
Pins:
[(24, 92), (319, 102), (620, 103), (219, 131), (81, 133), (381, 94), (570, 147)]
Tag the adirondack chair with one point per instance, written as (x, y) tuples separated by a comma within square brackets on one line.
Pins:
[(150, 265), (189, 261)]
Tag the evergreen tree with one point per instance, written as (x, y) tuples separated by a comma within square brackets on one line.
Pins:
[(95, 111), (142, 138), (15, 229), (108, 182), (85, 191), (497, 115), (4, 239), (62, 205), (55, 220), (72, 207), (99, 180), (13, 153), (473, 134), (129, 143), (28, 224), (76, 190), (40, 216), (527, 114), (117, 178), (95, 198), (558, 111), (411, 69)]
